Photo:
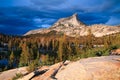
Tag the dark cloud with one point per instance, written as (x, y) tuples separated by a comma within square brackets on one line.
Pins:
[(93, 18), (20, 16), (5, 3), (113, 21), (12, 30), (13, 21), (18, 20), (46, 3)]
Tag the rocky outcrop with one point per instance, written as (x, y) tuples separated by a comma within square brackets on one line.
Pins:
[(8, 75), (71, 21), (102, 30), (53, 70), (95, 68), (32, 74), (98, 68), (71, 26), (115, 52)]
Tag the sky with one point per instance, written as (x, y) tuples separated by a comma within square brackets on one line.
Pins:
[(19, 16)]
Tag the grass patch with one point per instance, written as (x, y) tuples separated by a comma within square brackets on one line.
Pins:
[(18, 75)]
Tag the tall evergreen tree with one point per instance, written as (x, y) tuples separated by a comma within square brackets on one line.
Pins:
[(25, 56), (60, 49), (12, 58)]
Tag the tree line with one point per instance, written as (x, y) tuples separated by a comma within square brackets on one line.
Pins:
[(47, 49)]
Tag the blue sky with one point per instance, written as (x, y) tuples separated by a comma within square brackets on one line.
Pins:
[(20, 16)]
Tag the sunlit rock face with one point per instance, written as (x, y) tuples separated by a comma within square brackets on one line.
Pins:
[(71, 26), (98, 68)]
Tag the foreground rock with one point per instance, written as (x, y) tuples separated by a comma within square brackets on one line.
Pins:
[(95, 68), (32, 74), (8, 75), (115, 52), (52, 71), (98, 68)]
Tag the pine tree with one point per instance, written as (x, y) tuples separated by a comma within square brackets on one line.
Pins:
[(60, 50), (38, 55), (25, 56), (12, 57), (89, 40), (10, 44), (77, 49), (69, 51), (53, 45)]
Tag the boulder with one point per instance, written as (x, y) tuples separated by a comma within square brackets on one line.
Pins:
[(8, 75), (97, 68), (115, 52)]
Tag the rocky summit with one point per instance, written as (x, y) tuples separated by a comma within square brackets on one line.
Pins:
[(71, 26)]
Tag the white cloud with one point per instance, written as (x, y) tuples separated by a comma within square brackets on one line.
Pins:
[(43, 20), (38, 20), (113, 21), (44, 26), (86, 5)]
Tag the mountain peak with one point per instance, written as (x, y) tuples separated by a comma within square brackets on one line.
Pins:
[(75, 15), (71, 21), (75, 20), (72, 26)]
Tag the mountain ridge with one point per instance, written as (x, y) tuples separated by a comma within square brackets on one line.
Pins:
[(71, 26)]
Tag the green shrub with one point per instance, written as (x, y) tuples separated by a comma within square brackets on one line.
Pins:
[(18, 75), (33, 65)]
